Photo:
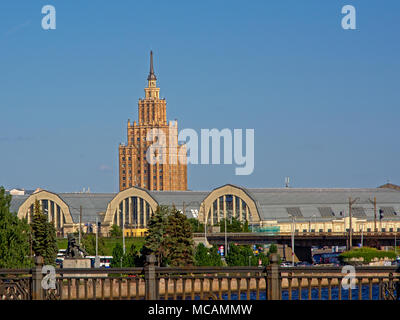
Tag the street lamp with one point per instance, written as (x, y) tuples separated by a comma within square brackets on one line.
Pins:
[(123, 230), (351, 202), (226, 241), (293, 228)]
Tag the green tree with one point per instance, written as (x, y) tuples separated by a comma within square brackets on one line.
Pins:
[(89, 243), (14, 237), (154, 241), (118, 256), (243, 256), (196, 225), (178, 240), (234, 225), (134, 256), (202, 256), (273, 248), (207, 257), (115, 231), (215, 257), (44, 241)]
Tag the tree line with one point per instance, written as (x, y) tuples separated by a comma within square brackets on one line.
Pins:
[(169, 238)]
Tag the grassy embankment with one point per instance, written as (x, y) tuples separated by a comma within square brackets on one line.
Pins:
[(110, 243)]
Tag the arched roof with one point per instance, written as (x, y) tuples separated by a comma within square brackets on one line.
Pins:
[(240, 192), (45, 195), (131, 192)]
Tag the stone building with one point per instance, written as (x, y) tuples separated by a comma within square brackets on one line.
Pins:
[(168, 171)]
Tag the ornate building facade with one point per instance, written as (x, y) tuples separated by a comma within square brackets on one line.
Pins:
[(169, 170)]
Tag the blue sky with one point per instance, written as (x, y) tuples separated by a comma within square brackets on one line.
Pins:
[(323, 101)]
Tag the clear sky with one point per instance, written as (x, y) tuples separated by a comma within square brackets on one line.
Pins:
[(323, 101)]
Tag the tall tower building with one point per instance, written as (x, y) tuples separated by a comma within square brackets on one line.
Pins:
[(170, 171)]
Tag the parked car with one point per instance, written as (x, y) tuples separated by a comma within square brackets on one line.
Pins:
[(303, 264), (286, 264)]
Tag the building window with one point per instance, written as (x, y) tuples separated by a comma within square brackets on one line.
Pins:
[(383, 229), (123, 158), (123, 185), (321, 230), (123, 171), (329, 230), (391, 229), (368, 229)]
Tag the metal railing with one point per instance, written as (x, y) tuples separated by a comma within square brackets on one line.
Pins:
[(226, 283)]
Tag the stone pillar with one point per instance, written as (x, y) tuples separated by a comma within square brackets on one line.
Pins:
[(37, 277), (150, 278), (273, 279)]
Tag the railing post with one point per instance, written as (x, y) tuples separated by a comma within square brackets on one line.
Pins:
[(273, 279), (150, 278), (37, 277)]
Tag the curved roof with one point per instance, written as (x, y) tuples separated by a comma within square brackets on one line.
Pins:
[(271, 203)]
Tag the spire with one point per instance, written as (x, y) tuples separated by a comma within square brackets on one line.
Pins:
[(151, 76)]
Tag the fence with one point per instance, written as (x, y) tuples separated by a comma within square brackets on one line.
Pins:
[(230, 283)]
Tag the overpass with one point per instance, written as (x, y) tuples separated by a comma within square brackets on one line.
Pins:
[(303, 241)]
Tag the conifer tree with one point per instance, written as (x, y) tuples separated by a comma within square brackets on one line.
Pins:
[(44, 241), (154, 241), (14, 237), (178, 240)]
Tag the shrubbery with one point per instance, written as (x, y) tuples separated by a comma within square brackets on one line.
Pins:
[(367, 253)]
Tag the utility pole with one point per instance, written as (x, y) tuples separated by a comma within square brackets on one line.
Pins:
[(80, 222), (350, 222), (97, 237), (226, 241), (293, 227), (362, 236), (123, 229), (374, 203)]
